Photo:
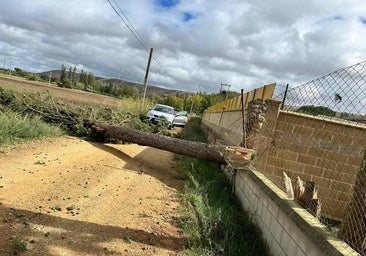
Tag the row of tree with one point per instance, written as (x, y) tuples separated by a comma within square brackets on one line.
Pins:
[(196, 103), (71, 78)]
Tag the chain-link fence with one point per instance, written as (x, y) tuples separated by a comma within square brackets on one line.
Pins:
[(313, 148), (320, 137)]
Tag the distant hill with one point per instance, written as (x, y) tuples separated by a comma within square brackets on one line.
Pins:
[(119, 82), (151, 89)]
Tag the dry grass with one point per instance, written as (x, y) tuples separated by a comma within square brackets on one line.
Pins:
[(71, 96)]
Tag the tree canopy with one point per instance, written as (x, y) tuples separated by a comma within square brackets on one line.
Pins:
[(316, 110)]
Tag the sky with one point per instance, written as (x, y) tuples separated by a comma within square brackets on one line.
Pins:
[(197, 44)]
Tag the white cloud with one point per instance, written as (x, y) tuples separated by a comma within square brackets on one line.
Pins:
[(246, 44)]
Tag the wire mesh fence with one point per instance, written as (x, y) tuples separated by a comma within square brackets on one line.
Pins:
[(316, 143), (323, 141), (343, 91)]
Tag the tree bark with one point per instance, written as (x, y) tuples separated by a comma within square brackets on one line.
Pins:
[(213, 153)]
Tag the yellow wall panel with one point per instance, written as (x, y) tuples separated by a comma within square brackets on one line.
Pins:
[(264, 92)]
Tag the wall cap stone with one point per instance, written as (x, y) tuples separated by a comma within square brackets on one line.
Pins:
[(326, 119)]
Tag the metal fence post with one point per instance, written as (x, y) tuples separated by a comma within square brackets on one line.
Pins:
[(284, 98)]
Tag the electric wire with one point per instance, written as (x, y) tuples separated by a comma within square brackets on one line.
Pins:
[(134, 32), (129, 24), (130, 27)]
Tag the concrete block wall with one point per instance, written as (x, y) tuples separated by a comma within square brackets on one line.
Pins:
[(287, 228), (228, 124)]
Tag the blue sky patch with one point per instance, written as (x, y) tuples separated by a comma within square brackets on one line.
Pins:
[(336, 17), (330, 19), (167, 3), (187, 16)]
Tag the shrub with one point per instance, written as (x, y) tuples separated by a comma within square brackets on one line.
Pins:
[(18, 244)]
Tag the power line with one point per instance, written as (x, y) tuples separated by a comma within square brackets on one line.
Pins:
[(128, 25), (134, 32)]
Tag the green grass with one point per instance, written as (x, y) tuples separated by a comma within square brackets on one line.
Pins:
[(193, 131), (18, 244), (15, 128), (211, 216)]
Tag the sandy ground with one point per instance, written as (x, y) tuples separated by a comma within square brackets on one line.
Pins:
[(67, 196)]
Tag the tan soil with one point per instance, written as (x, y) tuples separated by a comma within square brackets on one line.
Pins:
[(122, 199)]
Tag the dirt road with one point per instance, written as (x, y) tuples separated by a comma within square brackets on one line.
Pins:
[(67, 196)]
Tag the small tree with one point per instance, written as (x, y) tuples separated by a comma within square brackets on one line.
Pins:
[(69, 73), (73, 76), (108, 88), (129, 91), (62, 81), (33, 77), (174, 101), (154, 98), (316, 110), (82, 77), (90, 80), (19, 72)]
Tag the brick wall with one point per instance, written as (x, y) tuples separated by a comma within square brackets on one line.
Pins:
[(288, 228), (327, 152)]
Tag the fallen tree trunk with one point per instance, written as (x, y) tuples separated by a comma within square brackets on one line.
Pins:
[(49, 110), (213, 153)]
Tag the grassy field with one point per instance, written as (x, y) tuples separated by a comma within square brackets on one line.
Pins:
[(25, 104), (71, 96)]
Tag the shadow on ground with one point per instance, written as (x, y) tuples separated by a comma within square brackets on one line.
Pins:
[(150, 163), (44, 232)]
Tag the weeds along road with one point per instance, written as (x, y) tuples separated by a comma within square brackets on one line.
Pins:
[(67, 196)]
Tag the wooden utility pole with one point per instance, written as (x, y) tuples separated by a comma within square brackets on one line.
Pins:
[(191, 110), (147, 75), (49, 77), (4, 62)]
